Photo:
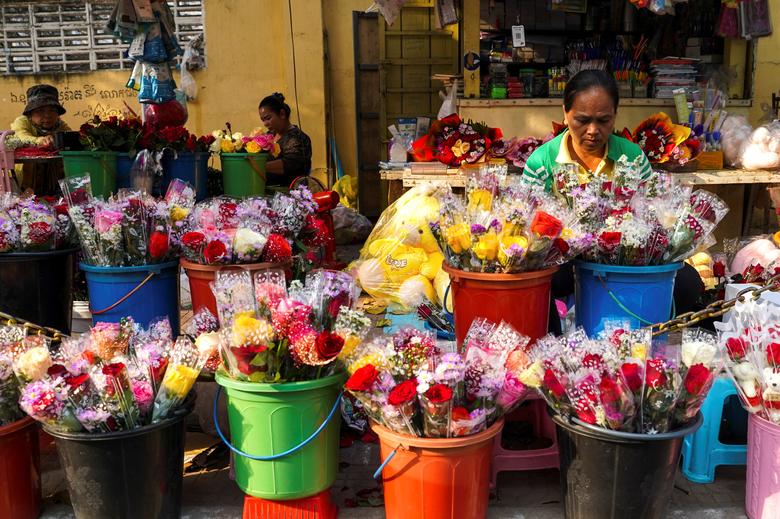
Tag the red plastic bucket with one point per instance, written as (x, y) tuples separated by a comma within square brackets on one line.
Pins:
[(201, 276), (522, 300), (446, 478), (20, 470)]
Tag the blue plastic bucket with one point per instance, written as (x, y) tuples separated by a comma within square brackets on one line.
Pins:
[(185, 166), (143, 293), (201, 175), (124, 164), (609, 293)]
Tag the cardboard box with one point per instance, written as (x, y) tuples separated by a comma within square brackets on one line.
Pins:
[(709, 160)]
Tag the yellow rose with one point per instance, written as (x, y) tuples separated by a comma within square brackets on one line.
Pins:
[(486, 248), (639, 351), (227, 146), (507, 242), (532, 375), (178, 380), (480, 200), (350, 343), (247, 330), (458, 237), (567, 234), (179, 213), (252, 147)]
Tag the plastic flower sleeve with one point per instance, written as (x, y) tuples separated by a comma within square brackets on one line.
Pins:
[(109, 221), (9, 392), (331, 290), (134, 229), (159, 233), (234, 294), (249, 351), (270, 288), (183, 370), (700, 364), (400, 411), (45, 401), (661, 390), (9, 234), (116, 391), (111, 340), (353, 326), (31, 359), (436, 404)]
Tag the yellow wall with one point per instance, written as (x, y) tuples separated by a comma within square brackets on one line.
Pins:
[(248, 46), (767, 67)]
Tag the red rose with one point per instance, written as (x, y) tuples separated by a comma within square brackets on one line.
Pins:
[(193, 239), (546, 225), (632, 376), (655, 375), (609, 240), (585, 411), (736, 347), (277, 249), (696, 379), (439, 393), (75, 382), (113, 370), (404, 392), (228, 214), (158, 244), (719, 269), (191, 143), (552, 383), (561, 245), (56, 370), (215, 252), (610, 390), (328, 345), (460, 413), (773, 354), (39, 233), (362, 379)]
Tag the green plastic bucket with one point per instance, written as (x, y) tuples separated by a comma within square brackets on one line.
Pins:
[(243, 174), (267, 420), (100, 165)]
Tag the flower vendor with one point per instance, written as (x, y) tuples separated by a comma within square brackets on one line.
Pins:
[(36, 127), (590, 148), (294, 158)]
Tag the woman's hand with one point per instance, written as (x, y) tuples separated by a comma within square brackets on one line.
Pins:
[(46, 142)]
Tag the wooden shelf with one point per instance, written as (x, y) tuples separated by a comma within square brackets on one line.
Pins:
[(557, 101)]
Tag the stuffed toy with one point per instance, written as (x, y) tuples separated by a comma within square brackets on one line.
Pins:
[(771, 395), (401, 261), (748, 378)]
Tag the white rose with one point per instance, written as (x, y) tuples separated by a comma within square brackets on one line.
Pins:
[(207, 343), (248, 241), (34, 363), (696, 352)]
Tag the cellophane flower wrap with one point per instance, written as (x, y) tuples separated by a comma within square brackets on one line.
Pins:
[(184, 365), (638, 220), (750, 344), (10, 338), (408, 384), (81, 208), (505, 226), (35, 222), (662, 388), (203, 328), (134, 228), (180, 199), (277, 335), (700, 364)]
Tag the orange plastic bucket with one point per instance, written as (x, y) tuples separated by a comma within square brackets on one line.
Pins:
[(201, 276), (522, 300), (20, 470), (445, 478)]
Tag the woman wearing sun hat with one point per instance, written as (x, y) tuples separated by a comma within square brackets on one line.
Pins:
[(36, 127)]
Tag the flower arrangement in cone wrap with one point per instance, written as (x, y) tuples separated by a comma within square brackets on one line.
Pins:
[(624, 382), (407, 383), (34, 224), (506, 226), (224, 230), (635, 220), (750, 342), (454, 142), (117, 377), (271, 334), (131, 228)]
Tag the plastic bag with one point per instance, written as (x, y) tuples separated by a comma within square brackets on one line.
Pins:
[(350, 226), (735, 133), (762, 150), (449, 102), (171, 113), (146, 167), (754, 19), (157, 85), (400, 262), (188, 85)]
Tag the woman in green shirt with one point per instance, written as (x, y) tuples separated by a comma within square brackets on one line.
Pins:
[(590, 103)]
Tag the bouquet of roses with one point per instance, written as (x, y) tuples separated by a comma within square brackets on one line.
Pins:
[(204, 330), (700, 362), (453, 142), (33, 224), (408, 384), (505, 227), (227, 141), (750, 342), (112, 134), (185, 363), (295, 335)]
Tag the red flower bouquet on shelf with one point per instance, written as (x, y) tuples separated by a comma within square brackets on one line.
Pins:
[(454, 142)]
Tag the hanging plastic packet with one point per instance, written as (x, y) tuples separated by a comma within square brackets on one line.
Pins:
[(145, 170), (157, 85)]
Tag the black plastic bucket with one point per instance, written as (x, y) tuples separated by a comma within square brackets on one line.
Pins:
[(38, 287), (125, 475), (614, 475)]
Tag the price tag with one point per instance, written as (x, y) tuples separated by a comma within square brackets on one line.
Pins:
[(518, 36)]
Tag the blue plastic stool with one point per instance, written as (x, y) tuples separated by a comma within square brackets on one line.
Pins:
[(702, 451)]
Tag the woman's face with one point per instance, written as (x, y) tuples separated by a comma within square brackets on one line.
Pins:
[(591, 120), (274, 123), (45, 117)]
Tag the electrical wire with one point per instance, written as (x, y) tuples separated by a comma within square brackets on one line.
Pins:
[(295, 69)]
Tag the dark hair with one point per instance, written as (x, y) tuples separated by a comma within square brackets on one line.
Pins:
[(586, 80), (275, 103)]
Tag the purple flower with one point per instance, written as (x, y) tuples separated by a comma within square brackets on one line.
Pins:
[(496, 225), (477, 229)]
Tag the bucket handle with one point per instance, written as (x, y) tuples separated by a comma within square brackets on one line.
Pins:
[(281, 454), (378, 471), (625, 309), (253, 165), (125, 297)]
